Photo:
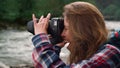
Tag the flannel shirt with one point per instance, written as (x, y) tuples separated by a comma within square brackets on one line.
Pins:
[(45, 55)]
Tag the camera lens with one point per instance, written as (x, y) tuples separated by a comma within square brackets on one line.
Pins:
[(55, 28)]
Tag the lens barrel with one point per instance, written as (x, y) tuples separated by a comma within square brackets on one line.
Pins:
[(55, 28)]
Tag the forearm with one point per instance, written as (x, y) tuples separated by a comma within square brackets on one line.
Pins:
[(45, 54)]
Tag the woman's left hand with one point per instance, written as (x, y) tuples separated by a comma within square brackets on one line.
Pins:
[(42, 25)]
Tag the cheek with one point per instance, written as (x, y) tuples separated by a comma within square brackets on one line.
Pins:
[(68, 36), (67, 33)]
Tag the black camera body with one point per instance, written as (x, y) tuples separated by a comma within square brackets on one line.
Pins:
[(55, 28)]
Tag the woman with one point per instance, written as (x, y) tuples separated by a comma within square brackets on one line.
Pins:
[(86, 32)]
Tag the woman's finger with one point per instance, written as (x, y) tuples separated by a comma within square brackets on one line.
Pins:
[(40, 19), (48, 16), (34, 18)]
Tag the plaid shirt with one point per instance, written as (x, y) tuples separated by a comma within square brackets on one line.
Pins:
[(45, 55)]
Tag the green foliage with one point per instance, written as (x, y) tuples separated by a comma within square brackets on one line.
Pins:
[(26, 9), (117, 15), (110, 10), (21, 10), (42, 7), (10, 11), (90, 1)]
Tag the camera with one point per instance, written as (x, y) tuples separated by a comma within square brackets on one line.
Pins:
[(55, 28)]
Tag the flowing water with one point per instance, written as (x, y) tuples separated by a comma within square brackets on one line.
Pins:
[(16, 46)]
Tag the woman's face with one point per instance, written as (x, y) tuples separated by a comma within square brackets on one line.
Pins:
[(66, 32)]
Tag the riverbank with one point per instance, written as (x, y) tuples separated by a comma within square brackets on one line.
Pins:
[(6, 25)]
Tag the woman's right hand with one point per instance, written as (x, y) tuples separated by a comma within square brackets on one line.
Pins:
[(42, 25), (61, 44)]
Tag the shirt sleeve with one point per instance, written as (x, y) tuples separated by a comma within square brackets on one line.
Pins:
[(45, 55)]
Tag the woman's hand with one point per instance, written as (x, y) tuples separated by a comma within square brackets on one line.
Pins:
[(42, 25), (62, 44)]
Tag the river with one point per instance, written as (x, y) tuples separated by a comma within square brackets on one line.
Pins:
[(16, 46)]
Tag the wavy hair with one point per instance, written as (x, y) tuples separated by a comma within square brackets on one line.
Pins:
[(88, 30)]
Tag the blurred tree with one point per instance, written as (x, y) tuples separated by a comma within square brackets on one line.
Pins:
[(10, 9), (21, 10), (117, 15), (42, 7), (110, 10), (117, 2), (26, 8), (90, 1), (103, 3)]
